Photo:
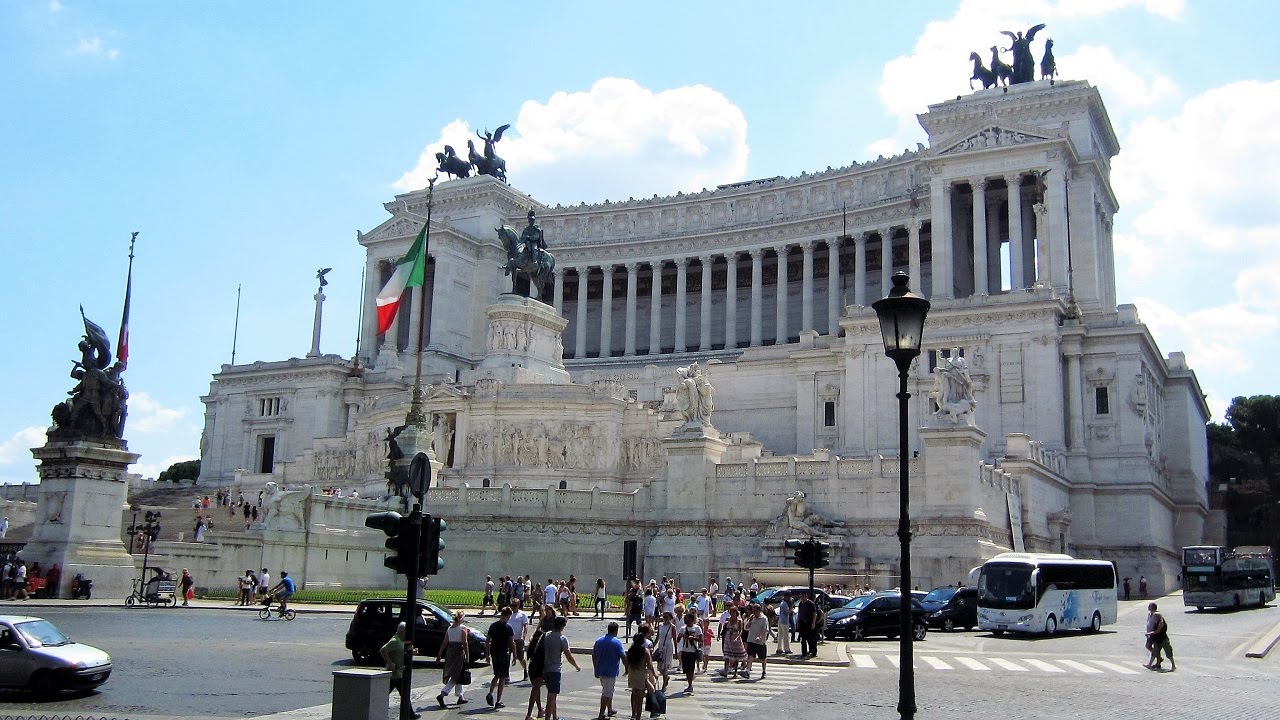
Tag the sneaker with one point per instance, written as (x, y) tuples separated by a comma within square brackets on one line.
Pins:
[(489, 699), (499, 705), (440, 700), (463, 701)]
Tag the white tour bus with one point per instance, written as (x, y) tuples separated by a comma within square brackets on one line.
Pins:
[(1044, 592)]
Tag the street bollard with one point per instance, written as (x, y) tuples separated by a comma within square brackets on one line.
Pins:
[(360, 694)]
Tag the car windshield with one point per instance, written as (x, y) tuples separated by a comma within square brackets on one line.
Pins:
[(940, 595), (764, 595), (1006, 586), (858, 603), (444, 615), (41, 633)]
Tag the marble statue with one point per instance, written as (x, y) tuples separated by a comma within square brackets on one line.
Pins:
[(798, 517), (953, 389), (694, 395)]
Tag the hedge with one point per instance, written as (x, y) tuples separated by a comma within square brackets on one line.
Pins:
[(351, 596)]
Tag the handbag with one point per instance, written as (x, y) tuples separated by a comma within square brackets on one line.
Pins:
[(465, 677)]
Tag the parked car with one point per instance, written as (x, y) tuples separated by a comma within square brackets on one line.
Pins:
[(874, 615), (773, 596), (948, 608), (376, 619), (36, 655)]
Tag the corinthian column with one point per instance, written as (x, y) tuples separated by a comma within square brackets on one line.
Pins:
[(860, 269), (558, 297), (682, 266), (606, 311), (833, 287), (806, 287), (704, 324), (757, 297), (942, 239), (979, 236), (731, 301), (655, 308), (913, 251), (580, 327), (780, 285), (886, 259), (1017, 251), (629, 344)]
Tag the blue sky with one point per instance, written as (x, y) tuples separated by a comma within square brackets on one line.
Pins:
[(247, 142)]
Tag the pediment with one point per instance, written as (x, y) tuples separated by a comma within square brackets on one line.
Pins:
[(396, 227), (991, 136)]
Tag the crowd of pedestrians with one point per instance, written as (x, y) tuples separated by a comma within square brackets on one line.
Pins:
[(20, 580)]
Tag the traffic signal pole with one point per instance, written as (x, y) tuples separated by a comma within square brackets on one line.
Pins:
[(410, 614)]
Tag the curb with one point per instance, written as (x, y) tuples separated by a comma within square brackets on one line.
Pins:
[(1265, 644)]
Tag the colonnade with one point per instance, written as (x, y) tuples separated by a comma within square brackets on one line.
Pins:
[(725, 316)]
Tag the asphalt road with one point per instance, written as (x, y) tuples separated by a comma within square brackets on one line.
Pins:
[(226, 663)]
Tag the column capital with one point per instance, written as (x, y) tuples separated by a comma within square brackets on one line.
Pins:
[(757, 254), (705, 259), (682, 262), (807, 247), (886, 232), (657, 265), (781, 248), (1014, 179), (915, 224), (978, 184), (860, 238), (632, 267), (607, 269)]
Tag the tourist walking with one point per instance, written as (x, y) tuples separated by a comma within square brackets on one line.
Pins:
[(1142, 586), (807, 622), (634, 606), (264, 584), (537, 661), (640, 674), (1158, 640), (500, 646), (606, 662), (488, 596), (650, 606), (393, 655), (756, 635), (784, 627), (187, 585), (689, 641), (602, 601), (734, 649), (519, 622), (664, 648), (456, 654), (555, 649)]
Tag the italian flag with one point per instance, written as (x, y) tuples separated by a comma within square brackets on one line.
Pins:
[(409, 273)]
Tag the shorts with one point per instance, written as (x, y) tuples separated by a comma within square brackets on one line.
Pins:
[(552, 681), (607, 685), (689, 662), (488, 599), (284, 595), (757, 650), (519, 647), (501, 665)]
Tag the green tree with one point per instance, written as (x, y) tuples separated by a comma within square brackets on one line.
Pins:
[(185, 470)]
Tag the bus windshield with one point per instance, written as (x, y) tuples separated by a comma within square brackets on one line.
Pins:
[(1006, 586)]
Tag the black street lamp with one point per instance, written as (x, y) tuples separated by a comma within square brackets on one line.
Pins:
[(149, 530), (902, 327)]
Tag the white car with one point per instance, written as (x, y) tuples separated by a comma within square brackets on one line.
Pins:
[(36, 655)]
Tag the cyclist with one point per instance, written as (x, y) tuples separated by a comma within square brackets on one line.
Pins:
[(284, 590)]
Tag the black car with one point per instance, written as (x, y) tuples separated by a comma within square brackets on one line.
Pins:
[(376, 619), (773, 596), (950, 607), (874, 615)]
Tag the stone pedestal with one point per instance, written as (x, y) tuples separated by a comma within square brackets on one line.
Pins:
[(951, 462), (525, 343), (686, 491), (83, 487)]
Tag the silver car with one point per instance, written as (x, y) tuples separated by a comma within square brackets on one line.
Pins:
[(36, 655)]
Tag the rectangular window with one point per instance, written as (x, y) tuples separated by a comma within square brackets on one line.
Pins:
[(1102, 403), (829, 413), (268, 407)]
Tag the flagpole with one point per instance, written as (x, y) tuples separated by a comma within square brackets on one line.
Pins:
[(360, 316), (416, 415), (122, 341), (235, 332)]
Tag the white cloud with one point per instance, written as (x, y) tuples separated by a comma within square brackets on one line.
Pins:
[(95, 47), (18, 447), (1120, 84), (55, 6), (935, 68), (615, 140), (148, 416)]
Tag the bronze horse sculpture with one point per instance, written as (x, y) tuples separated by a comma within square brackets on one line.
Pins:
[(980, 72), (534, 262), (451, 164)]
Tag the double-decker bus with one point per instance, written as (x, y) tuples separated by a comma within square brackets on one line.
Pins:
[(1045, 592), (1212, 576)]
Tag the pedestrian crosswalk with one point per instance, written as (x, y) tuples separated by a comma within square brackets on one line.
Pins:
[(1054, 666), (713, 696)]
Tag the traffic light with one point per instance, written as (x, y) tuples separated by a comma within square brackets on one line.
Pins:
[(431, 562), (800, 555), (402, 539), (821, 553)]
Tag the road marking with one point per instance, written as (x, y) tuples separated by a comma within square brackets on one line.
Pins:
[(971, 663), (937, 663), (1081, 667), (1042, 665), (1009, 665), (862, 661), (1113, 667)]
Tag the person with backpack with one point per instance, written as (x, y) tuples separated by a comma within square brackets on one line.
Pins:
[(1158, 640)]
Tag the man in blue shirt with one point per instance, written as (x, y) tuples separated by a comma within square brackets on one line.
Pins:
[(606, 659), (284, 590)]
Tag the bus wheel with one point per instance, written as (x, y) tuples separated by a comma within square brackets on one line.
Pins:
[(1199, 608), (1051, 625), (1236, 603), (997, 633), (1262, 599), (1096, 624)]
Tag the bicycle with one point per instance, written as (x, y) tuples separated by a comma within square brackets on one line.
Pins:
[(265, 612)]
